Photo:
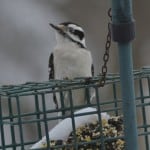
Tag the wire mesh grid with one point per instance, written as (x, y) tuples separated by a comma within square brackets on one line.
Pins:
[(21, 128)]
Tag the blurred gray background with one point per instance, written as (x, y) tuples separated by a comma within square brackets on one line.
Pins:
[(26, 38)]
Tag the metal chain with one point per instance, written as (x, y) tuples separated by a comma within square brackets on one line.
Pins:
[(106, 54)]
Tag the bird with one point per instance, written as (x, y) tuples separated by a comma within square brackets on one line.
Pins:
[(70, 59)]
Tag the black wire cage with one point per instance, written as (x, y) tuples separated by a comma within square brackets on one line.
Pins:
[(109, 134)]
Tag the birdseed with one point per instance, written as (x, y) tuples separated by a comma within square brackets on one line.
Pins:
[(89, 136)]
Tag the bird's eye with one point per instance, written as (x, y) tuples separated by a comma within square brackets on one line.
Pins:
[(71, 30)]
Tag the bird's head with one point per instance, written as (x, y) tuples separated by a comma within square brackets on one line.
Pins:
[(70, 32)]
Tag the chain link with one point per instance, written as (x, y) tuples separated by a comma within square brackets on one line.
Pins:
[(106, 54)]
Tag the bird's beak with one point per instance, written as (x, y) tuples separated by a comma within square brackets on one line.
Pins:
[(59, 28)]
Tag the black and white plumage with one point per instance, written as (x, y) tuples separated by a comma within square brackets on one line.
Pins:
[(70, 58)]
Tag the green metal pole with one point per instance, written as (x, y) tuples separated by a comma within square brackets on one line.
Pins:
[(123, 34)]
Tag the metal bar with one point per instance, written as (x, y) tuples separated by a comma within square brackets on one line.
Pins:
[(2, 126), (12, 129), (143, 112), (128, 96), (45, 121), (99, 118), (73, 119), (62, 102), (20, 125), (87, 95), (122, 16), (37, 110), (115, 98)]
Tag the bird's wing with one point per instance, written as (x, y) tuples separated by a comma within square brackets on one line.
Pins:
[(51, 76), (92, 70), (92, 91), (51, 66)]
